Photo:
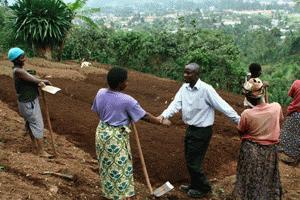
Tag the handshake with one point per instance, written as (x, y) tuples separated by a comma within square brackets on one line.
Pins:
[(163, 120)]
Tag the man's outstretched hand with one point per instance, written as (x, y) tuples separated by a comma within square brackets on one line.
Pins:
[(164, 121)]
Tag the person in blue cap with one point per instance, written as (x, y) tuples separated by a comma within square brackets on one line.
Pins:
[(26, 86)]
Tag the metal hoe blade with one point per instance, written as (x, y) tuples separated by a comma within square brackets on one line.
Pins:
[(163, 189)]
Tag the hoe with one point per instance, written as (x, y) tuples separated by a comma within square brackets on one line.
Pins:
[(162, 189), (51, 90)]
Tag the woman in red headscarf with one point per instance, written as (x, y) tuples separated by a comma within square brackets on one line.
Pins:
[(290, 134)]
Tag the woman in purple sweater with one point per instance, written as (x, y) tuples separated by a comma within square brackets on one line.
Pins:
[(116, 111)]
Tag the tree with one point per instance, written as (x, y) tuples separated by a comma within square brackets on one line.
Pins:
[(297, 5), (4, 2), (77, 8), (84, 42), (43, 24), (7, 39)]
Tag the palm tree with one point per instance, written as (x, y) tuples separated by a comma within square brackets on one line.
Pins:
[(43, 23)]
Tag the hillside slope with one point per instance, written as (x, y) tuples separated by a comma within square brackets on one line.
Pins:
[(75, 125)]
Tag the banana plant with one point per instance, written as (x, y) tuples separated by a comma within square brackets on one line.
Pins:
[(82, 13)]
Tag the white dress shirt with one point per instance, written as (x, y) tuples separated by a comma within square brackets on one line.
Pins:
[(197, 105)]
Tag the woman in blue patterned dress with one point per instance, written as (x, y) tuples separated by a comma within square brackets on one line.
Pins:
[(116, 110)]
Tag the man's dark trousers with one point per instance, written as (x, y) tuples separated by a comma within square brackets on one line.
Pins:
[(196, 143)]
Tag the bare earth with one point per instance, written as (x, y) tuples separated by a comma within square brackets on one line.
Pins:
[(21, 172)]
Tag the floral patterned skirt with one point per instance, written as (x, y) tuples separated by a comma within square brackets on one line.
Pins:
[(115, 161), (257, 173), (290, 136)]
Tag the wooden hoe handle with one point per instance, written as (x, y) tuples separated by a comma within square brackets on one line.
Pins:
[(142, 157), (49, 122)]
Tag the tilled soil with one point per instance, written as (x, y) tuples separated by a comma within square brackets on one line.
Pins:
[(162, 147)]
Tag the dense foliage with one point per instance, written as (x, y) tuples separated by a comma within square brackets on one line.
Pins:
[(223, 56), (161, 53), (223, 53), (43, 24)]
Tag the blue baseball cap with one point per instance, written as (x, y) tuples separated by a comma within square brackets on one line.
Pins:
[(14, 53)]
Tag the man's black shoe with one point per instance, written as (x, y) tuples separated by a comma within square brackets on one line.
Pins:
[(196, 194), (184, 188)]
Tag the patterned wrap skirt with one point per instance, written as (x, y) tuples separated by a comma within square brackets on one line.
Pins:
[(290, 136), (257, 173), (115, 161)]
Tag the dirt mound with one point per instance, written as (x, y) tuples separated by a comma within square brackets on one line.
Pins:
[(24, 175), (163, 147), (21, 179)]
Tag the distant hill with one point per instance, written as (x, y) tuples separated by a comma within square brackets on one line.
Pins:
[(182, 3), (119, 3)]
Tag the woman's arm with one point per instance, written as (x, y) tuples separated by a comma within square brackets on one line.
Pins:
[(242, 126), (155, 120), (22, 74)]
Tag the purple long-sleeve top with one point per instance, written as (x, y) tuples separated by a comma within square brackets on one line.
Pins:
[(117, 108)]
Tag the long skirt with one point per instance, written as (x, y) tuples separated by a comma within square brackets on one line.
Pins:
[(115, 161), (257, 173), (290, 136)]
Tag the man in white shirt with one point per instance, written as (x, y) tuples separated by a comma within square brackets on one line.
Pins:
[(197, 101)]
